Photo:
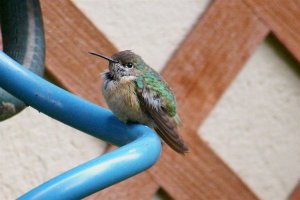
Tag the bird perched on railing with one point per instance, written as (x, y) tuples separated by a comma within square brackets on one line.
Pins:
[(136, 93)]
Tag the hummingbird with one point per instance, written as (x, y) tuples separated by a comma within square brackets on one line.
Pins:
[(137, 93)]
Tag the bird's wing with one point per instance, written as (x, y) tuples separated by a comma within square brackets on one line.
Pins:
[(165, 125)]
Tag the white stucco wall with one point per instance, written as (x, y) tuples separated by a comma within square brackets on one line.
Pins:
[(254, 127)]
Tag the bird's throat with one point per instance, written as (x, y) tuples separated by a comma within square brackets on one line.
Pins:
[(110, 76)]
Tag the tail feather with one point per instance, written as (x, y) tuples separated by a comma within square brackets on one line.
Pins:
[(173, 140)]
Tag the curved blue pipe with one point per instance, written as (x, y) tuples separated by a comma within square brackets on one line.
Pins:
[(141, 148)]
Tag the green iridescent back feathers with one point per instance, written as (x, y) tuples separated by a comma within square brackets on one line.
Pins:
[(153, 81)]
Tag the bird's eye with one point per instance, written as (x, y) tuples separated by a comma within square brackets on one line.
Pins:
[(129, 65)]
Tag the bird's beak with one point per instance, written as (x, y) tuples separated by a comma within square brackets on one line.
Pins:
[(105, 57)]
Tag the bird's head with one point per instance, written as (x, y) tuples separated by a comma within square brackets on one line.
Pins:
[(124, 64)]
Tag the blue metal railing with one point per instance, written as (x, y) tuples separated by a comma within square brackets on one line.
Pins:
[(140, 149)]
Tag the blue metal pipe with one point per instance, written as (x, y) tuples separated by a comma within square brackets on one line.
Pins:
[(140, 149)]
